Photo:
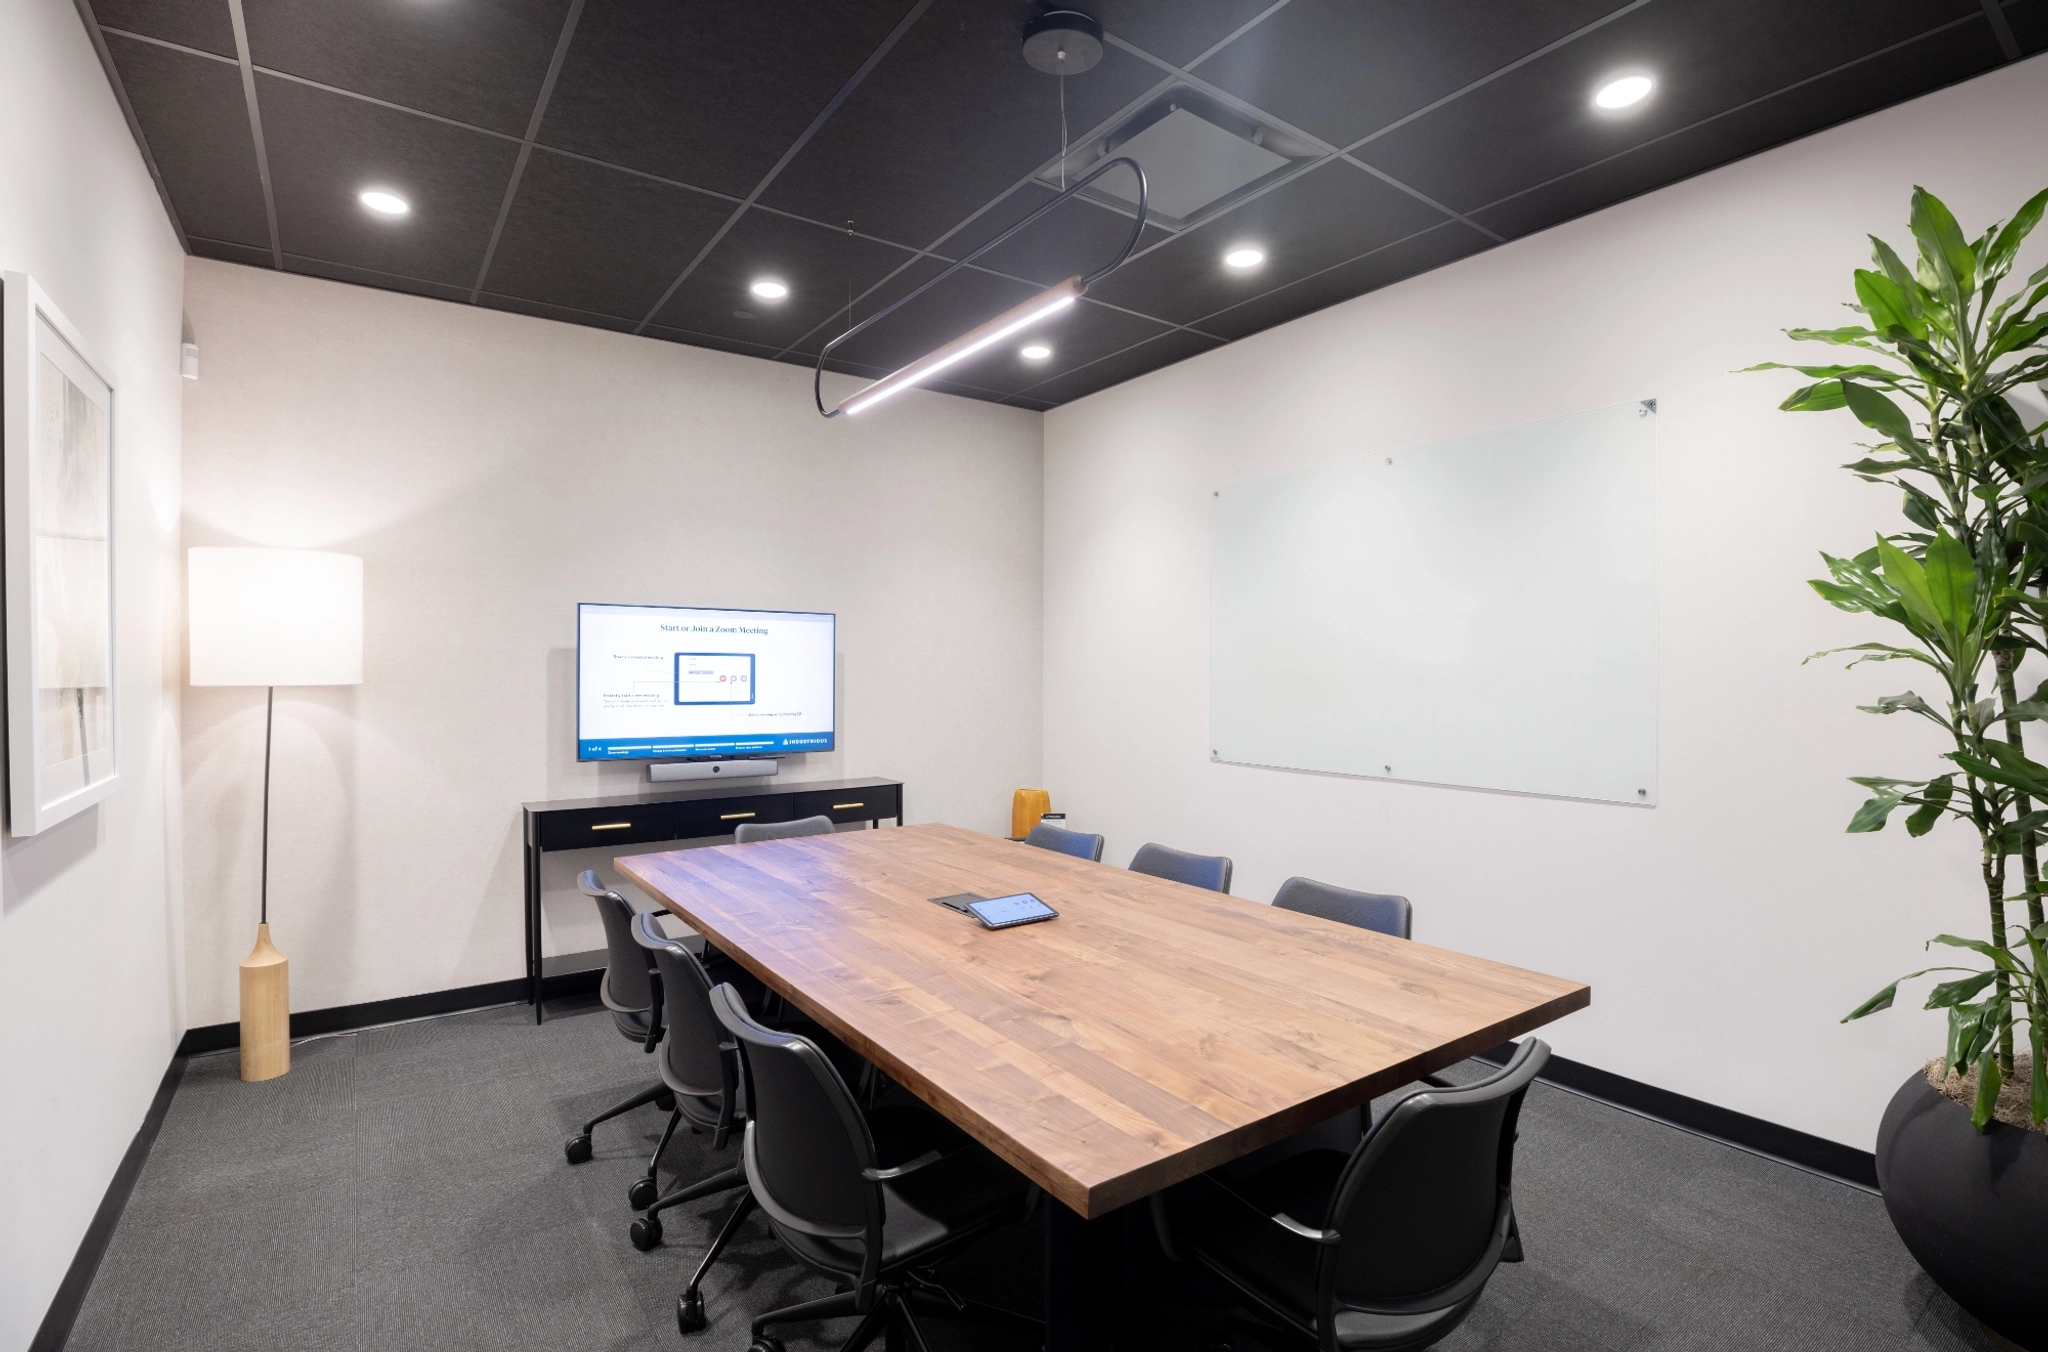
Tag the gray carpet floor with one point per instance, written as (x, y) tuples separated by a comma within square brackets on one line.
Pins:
[(404, 1188)]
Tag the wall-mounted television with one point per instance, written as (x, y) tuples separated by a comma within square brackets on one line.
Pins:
[(676, 683)]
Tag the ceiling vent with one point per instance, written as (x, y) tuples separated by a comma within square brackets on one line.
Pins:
[(1199, 157)]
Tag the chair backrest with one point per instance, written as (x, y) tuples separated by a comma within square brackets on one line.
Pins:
[(625, 989), (803, 826), (1059, 839), (1364, 910), (1424, 1206), (807, 1142), (691, 1060), (1196, 870)]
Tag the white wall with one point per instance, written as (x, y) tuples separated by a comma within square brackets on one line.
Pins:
[(1725, 931), (90, 965), (494, 470)]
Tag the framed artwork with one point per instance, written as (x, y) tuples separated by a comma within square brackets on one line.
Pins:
[(57, 504)]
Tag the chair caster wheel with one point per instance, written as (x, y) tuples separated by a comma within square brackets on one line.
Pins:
[(646, 1233), (666, 1103), (764, 1343), (689, 1312), (577, 1148), (643, 1194)]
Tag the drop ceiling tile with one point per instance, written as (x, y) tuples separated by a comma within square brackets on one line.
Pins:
[(1952, 55), (1076, 237), (1079, 335), (714, 342), (562, 313), (949, 119), (1024, 401), (964, 301), (1175, 30), (1341, 69), (1330, 214), (385, 281), (595, 238), (1433, 248), (1170, 347), (710, 94), (246, 254), (477, 63), (196, 122), (822, 269), (2028, 20), (203, 24), (325, 148), (1538, 122)]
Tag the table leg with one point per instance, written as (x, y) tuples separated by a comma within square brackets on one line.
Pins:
[(533, 927), (1083, 1279)]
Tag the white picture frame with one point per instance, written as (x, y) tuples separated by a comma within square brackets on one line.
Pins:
[(57, 506)]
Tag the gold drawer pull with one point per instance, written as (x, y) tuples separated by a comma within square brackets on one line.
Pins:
[(611, 826), (836, 807), (735, 816)]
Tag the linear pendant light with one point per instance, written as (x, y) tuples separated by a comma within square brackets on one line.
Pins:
[(1047, 302)]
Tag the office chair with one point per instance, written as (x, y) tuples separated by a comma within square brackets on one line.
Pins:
[(803, 826), (815, 1165), (1381, 1251), (1062, 841), (700, 1065), (628, 993), (1361, 910), (1196, 870)]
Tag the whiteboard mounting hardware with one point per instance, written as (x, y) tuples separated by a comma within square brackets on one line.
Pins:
[(1646, 408), (1047, 302)]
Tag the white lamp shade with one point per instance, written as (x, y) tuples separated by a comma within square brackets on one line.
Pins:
[(274, 617)]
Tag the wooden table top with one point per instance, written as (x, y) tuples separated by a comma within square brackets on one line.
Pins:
[(1151, 1032)]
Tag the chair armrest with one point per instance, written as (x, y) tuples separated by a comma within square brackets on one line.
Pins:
[(884, 1175), (653, 1011), (1438, 1082), (1279, 1218)]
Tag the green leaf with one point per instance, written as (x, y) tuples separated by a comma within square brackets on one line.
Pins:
[(1814, 398), (1901, 276), (1998, 258), (1965, 1036), (1884, 303), (1990, 1079), (1955, 992), (2039, 1105), (1881, 1000), (1997, 955), (1933, 803), (1942, 244), (1995, 774), (1871, 816), (1878, 413), (2028, 711), (1909, 580), (1951, 581), (1891, 704)]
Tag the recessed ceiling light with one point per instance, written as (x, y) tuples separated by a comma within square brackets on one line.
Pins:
[(769, 289), (1625, 92), (1244, 256), (384, 203), (1034, 352)]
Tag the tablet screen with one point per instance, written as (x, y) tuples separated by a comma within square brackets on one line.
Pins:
[(1011, 910)]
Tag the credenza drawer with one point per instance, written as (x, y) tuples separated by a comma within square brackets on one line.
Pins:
[(720, 817), (597, 827), (849, 805)]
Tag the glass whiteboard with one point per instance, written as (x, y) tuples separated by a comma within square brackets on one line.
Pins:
[(1479, 612)]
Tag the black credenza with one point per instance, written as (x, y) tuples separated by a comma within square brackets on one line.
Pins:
[(679, 814)]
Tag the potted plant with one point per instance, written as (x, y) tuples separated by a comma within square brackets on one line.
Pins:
[(1963, 586)]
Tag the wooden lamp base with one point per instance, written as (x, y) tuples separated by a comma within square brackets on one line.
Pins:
[(266, 1011)]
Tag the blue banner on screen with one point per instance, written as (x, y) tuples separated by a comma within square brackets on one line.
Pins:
[(666, 682)]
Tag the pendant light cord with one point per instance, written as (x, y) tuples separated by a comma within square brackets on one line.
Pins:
[(269, 708), (1063, 123)]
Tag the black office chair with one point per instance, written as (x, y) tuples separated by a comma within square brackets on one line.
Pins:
[(815, 1165), (1062, 841), (1196, 870), (803, 826), (1381, 1251), (700, 1065), (1363, 910), (629, 994)]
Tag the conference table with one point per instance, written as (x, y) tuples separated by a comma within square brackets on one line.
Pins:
[(1152, 1032)]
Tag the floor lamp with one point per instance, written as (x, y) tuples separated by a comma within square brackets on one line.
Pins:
[(272, 617)]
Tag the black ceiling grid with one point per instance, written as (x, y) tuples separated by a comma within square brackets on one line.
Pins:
[(634, 165)]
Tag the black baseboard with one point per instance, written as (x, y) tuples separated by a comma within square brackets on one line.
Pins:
[(218, 1037), (85, 1264), (1813, 1153)]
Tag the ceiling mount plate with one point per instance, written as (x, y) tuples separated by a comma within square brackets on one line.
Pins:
[(1062, 42)]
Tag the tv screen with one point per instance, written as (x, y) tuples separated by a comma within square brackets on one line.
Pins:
[(669, 682)]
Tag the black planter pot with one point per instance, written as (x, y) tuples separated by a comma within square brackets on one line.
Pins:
[(1972, 1209)]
